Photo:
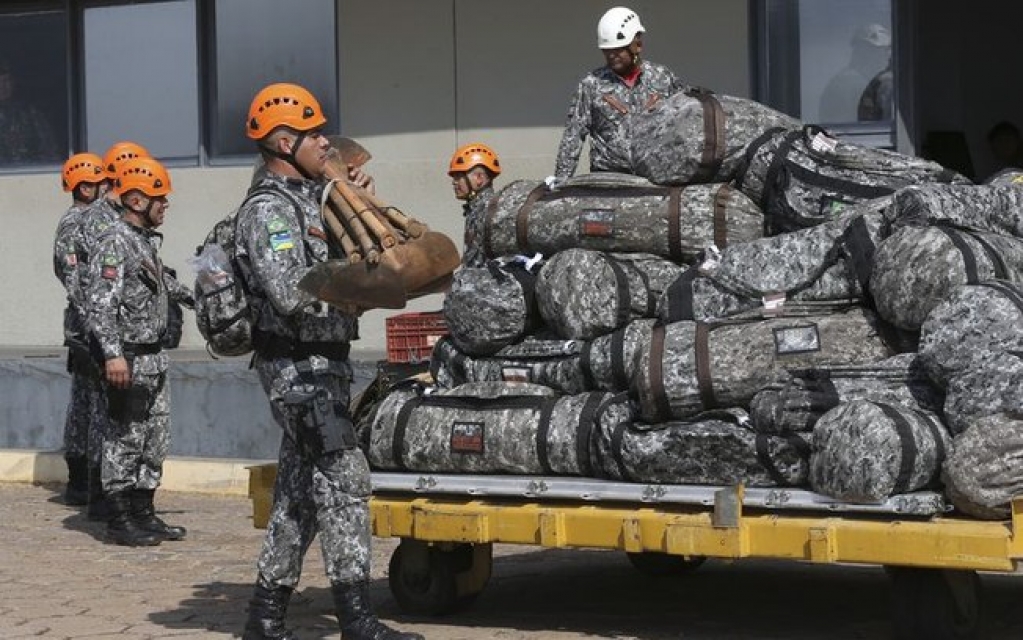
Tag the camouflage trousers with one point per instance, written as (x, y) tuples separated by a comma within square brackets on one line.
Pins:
[(138, 436), (315, 492), (86, 418)]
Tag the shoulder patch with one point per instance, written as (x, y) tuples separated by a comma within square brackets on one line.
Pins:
[(280, 234)]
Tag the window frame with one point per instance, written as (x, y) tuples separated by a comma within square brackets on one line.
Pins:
[(206, 75)]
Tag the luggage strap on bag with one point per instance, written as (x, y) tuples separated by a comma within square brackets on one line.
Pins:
[(522, 217), (702, 357), (713, 135), (662, 407), (907, 460)]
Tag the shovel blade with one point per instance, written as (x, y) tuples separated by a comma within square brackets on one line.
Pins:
[(423, 264), (349, 152), (347, 285)]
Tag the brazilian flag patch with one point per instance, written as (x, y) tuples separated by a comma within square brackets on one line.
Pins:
[(280, 235), (110, 264)]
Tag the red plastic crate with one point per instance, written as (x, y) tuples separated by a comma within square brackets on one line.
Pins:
[(411, 336)]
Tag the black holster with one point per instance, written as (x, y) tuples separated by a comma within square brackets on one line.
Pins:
[(321, 428)]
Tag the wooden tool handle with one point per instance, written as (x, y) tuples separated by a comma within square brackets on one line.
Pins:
[(412, 227), (365, 214), (341, 235), (353, 225)]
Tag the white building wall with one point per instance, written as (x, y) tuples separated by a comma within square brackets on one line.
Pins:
[(417, 79)]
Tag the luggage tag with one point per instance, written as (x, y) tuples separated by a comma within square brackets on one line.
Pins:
[(823, 143), (597, 223), (468, 437), (795, 340), (711, 260)]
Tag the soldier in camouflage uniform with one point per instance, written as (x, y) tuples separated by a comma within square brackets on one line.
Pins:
[(472, 169), (100, 214), (607, 96), (127, 298), (301, 356), (84, 177)]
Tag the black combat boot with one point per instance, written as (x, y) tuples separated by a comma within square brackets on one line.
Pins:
[(144, 514), (77, 491), (354, 612), (122, 529), (267, 610), (99, 508)]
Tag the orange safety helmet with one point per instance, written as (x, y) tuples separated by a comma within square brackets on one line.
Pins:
[(119, 153), (472, 155), (82, 167), (283, 105), (145, 174)]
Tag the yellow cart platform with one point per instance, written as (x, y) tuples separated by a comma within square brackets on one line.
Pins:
[(448, 524)]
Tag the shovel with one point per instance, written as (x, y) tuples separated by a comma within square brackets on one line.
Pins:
[(364, 285), (403, 258)]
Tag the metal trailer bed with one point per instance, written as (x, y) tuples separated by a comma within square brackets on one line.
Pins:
[(448, 523)]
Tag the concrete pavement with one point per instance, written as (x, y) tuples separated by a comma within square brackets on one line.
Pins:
[(58, 580)]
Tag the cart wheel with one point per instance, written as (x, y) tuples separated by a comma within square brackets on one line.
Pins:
[(430, 580), (938, 604), (655, 563)]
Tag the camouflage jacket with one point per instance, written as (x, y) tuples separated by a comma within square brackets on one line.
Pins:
[(475, 211), (126, 290), (279, 237), (601, 109), (66, 266)]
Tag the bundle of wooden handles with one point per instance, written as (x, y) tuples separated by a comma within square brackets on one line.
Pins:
[(364, 226)]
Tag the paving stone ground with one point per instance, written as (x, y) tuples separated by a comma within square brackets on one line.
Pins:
[(58, 579)]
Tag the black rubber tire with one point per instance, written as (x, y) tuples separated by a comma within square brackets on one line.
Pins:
[(655, 563), (936, 604), (433, 593)]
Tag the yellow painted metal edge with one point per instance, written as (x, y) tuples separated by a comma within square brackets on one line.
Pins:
[(939, 543)]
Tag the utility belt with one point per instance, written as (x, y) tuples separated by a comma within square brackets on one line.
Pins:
[(141, 349), (272, 346)]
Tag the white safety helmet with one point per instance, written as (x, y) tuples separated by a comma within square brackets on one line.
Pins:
[(617, 28)]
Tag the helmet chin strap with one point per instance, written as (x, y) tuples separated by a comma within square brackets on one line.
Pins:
[(79, 196), (290, 156)]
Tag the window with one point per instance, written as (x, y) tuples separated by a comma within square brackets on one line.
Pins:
[(34, 104), (829, 62), (141, 80), (263, 41), (177, 76)]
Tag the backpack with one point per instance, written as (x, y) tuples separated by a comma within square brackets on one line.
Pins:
[(222, 309)]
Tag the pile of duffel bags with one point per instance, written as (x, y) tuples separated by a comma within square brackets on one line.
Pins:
[(760, 304)]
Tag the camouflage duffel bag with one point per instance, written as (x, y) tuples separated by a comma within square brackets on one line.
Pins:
[(995, 209), (584, 294), (712, 451), (490, 307), (916, 268), (552, 363), (691, 367), (992, 384), (975, 320), (866, 451), (489, 427), (1010, 176), (829, 262), (983, 474), (698, 136), (805, 177), (797, 402), (527, 217), (609, 361)]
